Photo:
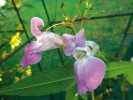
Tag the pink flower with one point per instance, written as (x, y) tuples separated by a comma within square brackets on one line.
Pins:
[(88, 70), (73, 41), (45, 41)]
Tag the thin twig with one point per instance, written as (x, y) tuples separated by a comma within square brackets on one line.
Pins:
[(124, 36), (102, 17)]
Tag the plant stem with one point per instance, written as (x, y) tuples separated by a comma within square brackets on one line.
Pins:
[(83, 15), (81, 23), (73, 28), (54, 25), (92, 95)]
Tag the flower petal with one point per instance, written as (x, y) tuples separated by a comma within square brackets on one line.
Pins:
[(80, 53), (73, 41), (89, 74), (30, 56), (82, 89), (35, 23), (80, 40), (93, 46), (50, 41), (70, 44)]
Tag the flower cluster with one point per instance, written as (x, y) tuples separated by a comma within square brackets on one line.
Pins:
[(15, 40), (24, 73), (88, 70), (16, 74)]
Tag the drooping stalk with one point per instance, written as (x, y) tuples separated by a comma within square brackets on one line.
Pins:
[(54, 25), (92, 95)]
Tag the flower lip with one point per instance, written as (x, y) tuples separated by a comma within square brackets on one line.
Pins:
[(80, 53), (90, 49), (89, 74)]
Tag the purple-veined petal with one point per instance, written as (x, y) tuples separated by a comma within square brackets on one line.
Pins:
[(49, 41), (80, 40), (69, 40), (89, 74), (30, 56), (93, 46), (35, 23)]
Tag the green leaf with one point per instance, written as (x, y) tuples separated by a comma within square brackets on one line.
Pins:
[(102, 56), (71, 93), (42, 83), (116, 68), (59, 79), (129, 76)]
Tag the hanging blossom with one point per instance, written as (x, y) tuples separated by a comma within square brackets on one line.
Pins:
[(88, 70), (45, 41)]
